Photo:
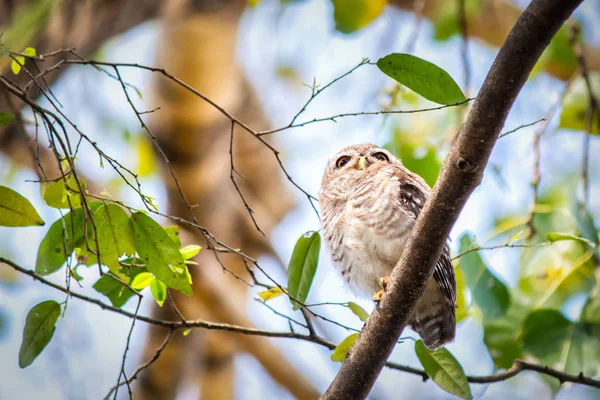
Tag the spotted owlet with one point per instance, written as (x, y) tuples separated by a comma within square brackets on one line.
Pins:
[(369, 205)]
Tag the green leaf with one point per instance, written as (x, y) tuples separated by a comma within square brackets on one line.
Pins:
[(544, 332), (16, 64), (115, 235), (59, 242), (142, 280), (159, 291), (16, 210), (189, 251), (61, 194), (5, 118), (462, 308), (358, 311), (173, 232), (556, 237), (39, 329), (339, 353), (270, 294), (488, 292), (416, 154), (30, 52), (159, 253), (423, 77), (591, 309), (444, 370), (117, 293), (574, 111), (55, 194), (352, 15), (502, 336), (303, 266)]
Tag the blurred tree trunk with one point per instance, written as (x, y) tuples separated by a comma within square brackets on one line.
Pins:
[(199, 48)]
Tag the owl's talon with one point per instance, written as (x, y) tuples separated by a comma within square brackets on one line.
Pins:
[(383, 282)]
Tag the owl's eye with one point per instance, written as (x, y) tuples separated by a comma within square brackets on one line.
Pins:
[(381, 156), (343, 160)]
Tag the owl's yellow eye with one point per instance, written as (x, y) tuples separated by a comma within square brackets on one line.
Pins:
[(381, 156), (343, 160)]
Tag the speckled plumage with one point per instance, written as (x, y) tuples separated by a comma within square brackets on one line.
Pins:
[(368, 208)]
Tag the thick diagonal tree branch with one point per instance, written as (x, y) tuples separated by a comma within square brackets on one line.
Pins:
[(461, 174)]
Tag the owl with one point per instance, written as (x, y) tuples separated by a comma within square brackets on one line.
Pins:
[(369, 204)]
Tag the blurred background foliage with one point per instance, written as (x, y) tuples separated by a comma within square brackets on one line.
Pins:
[(526, 295)]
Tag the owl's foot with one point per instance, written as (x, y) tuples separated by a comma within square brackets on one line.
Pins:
[(383, 282)]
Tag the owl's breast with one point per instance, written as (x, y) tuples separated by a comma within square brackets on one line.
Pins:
[(369, 231)]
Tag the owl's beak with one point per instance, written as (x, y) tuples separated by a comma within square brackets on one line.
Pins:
[(362, 163)]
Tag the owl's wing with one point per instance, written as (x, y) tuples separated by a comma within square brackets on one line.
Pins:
[(413, 194)]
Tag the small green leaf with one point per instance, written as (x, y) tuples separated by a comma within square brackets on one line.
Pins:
[(444, 370), (30, 52), (557, 237), (16, 64), (352, 15), (270, 294), (358, 311), (115, 235), (117, 293), (16, 210), (339, 353), (39, 329), (5, 118), (423, 77), (59, 242), (591, 309), (189, 251), (488, 292), (142, 280), (186, 332), (502, 336), (173, 232), (303, 266), (160, 254), (544, 333), (159, 291), (55, 194), (462, 308)]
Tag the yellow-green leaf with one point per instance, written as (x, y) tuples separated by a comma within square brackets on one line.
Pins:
[(489, 293), (55, 194), (16, 210), (159, 291), (39, 329), (5, 118), (462, 309), (339, 353), (358, 311), (16, 64), (160, 254), (556, 237), (173, 232), (142, 280), (30, 52), (115, 235), (352, 15), (270, 294), (423, 77), (303, 266), (59, 242), (189, 251), (444, 370)]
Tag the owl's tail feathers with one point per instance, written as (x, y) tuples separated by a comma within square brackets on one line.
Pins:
[(433, 319)]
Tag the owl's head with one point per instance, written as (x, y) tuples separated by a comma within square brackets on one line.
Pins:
[(358, 158)]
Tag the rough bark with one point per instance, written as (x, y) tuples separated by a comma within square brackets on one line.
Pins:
[(461, 174)]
